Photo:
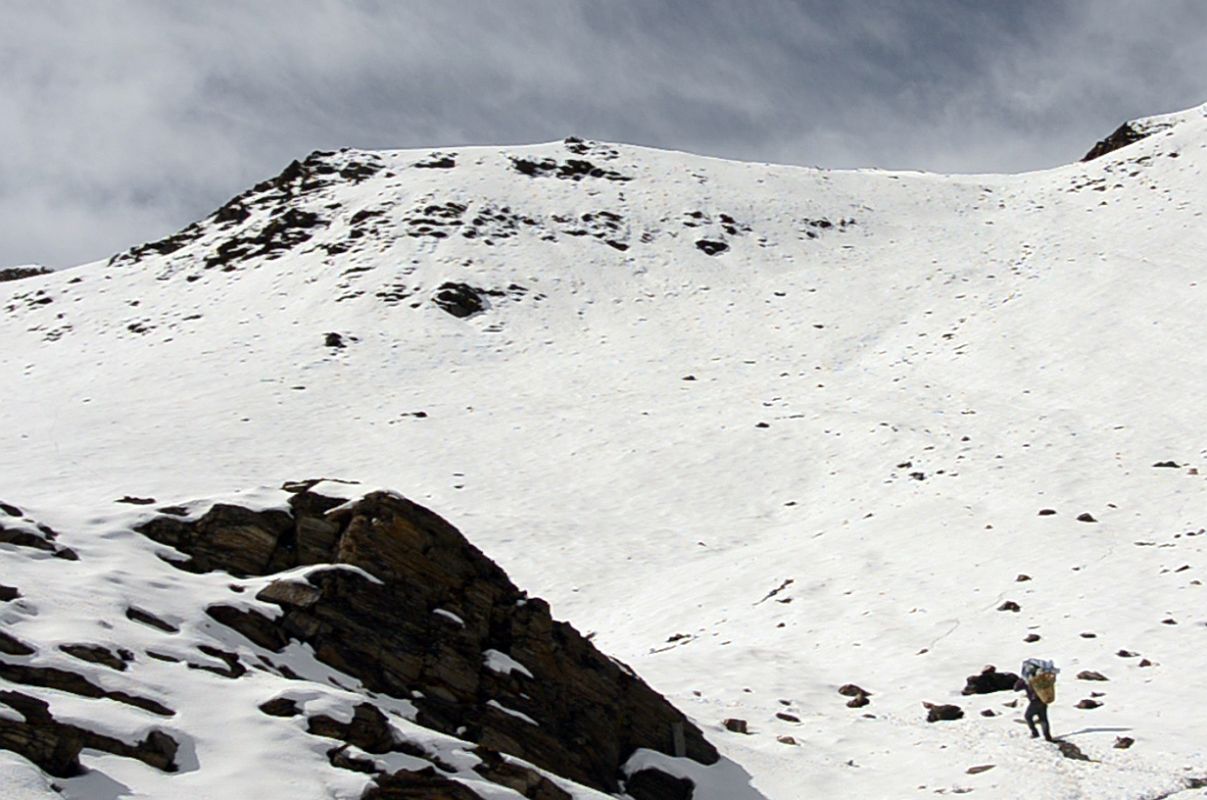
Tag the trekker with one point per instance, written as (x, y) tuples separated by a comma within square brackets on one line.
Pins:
[(1039, 681)]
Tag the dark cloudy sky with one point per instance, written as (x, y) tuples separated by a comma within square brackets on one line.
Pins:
[(123, 121)]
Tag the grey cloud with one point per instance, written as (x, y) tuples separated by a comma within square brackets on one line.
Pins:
[(125, 120)]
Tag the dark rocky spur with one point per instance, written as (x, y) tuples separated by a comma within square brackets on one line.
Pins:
[(420, 629)]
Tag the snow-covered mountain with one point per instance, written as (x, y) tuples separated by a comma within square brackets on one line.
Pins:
[(763, 431)]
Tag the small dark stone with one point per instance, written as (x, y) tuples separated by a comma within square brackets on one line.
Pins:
[(942, 713), (1126, 654), (851, 690), (1086, 517), (136, 501), (918, 476), (1144, 662), (988, 712), (1047, 512), (1088, 703), (858, 701), (1123, 742), (1088, 635), (1088, 675), (710, 247), (1010, 605), (8, 593), (761, 425), (1031, 637), (333, 340), (979, 769), (1172, 464), (786, 717), (735, 725)]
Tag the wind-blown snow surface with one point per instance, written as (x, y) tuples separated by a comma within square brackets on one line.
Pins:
[(655, 439)]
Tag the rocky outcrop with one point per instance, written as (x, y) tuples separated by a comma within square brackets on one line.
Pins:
[(1124, 135), (413, 611)]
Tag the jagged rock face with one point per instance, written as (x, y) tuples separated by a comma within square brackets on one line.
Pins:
[(427, 617), (1124, 135)]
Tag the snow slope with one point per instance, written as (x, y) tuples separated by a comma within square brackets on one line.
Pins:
[(654, 438)]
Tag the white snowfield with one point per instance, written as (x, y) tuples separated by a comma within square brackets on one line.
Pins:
[(814, 458)]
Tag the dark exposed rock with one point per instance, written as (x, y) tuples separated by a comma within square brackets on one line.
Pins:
[(1126, 654), (573, 169), (593, 713), (786, 717), (99, 654), (990, 680), (425, 784), (18, 273), (1010, 605), (11, 511), (649, 784), (1124, 135), (858, 701), (1088, 675), (333, 339), (280, 707), (368, 729), (1086, 517), (136, 501), (1031, 637), (1070, 750), (525, 780), (55, 746), (1047, 512), (1087, 703), (977, 770), (735, 725), (8, 593), (437, 161), (1172, 464), (13, 646), (710, 247), (938, 713), (66, 681), (459, 299), (1123, 742), (851, 690), (147, 618), (36, 537), (1022, 578)]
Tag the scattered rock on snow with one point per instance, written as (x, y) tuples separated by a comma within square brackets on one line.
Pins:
[(1086, 517), (1047, 512), (1031, 637), (1087, 703), (735, 725), (1088, 675), (1123, 742), (942, 712), (980, 768), (989, 680), (1009, 605), (710, 247)]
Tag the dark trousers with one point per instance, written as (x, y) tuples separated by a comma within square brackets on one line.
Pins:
[(1038, 708)]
